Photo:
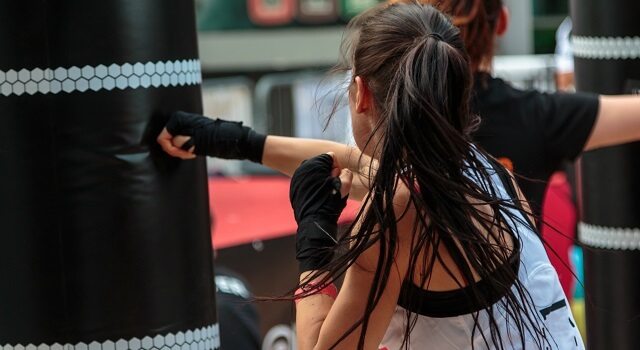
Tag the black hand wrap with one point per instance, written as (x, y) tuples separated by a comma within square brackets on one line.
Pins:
[(317, 204), (217, 138)]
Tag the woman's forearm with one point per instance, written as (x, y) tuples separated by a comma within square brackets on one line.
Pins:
[(285, 154), (310, 315)]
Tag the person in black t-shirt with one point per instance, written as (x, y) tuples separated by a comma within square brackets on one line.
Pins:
[(533, 133)]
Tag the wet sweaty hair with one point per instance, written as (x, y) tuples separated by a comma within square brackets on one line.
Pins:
[(413, 61)]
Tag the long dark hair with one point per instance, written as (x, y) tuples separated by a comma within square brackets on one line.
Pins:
[(414, 63)]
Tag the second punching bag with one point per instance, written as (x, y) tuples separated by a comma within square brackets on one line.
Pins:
[(606, 46), (104, 240)]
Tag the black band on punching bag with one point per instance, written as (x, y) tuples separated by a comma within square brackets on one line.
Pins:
[(104, 239), (606, 45)]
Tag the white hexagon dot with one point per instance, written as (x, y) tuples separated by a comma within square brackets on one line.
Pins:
[(158, 341), (174, 79), (88, 72), (31, 87), (182, 79), (179, 337), (57, 346), (122, 83), (18, 88), (122, 344), (114, 70), (185, 346), (81, 346), (196, 335), (74, 72), (159, 67), (7, 347), (2, 76), (127, 69), (68, 85), (108, 83), (18, 347), (82, 85), (134, 344), (194, 346), (30, 347), (24, 75), (185, 66), (48, 73), (188, 337), (55, 86), (168, 67), (166, 80), (149, 68), (138, 69), (95, 346), (60, 74), (5, 89), (95, 84), (37, 75), (145, 81), (12, 76), (44, 87), (175, 347), (108, 345), (134, 82), (156, 81), (170, 339), (189, 78), (102, 71), (147, 342)]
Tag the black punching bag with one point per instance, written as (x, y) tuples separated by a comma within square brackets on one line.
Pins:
[(606, 44), (104, 240)]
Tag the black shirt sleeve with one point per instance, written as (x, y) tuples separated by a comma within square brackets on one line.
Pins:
[(566, 121)]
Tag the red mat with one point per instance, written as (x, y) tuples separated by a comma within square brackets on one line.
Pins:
[(246, 209)]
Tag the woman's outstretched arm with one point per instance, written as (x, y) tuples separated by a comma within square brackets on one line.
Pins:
[(187, 135)]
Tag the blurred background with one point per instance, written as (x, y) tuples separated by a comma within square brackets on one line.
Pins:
[(265, 63)]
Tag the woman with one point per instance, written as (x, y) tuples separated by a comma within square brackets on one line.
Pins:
[(532, 133), (443, 254)]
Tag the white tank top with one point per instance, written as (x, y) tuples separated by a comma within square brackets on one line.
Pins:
[(535, 273)]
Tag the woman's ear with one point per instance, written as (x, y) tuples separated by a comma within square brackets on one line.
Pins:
[(503, 21), (363, 96)]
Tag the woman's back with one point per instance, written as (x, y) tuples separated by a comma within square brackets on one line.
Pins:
[(445, 319)]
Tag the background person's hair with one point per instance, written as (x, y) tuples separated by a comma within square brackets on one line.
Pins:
[(477, 20), (412, 59)]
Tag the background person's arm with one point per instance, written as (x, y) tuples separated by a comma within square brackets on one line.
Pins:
[(618, 122)]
